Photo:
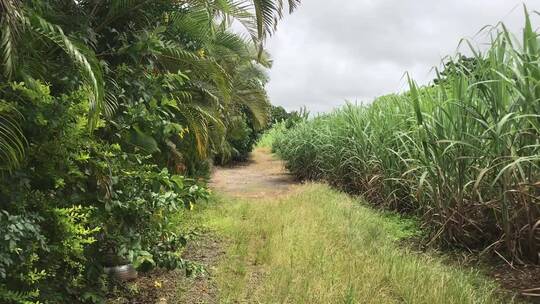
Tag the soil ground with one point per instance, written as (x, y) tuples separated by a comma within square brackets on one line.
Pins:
[(262, 176)]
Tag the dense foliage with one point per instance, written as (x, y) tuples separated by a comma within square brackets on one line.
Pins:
[(279, 115), (280, 122), (463, 153), (110, 114)]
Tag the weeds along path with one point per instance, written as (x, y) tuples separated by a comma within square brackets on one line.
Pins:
[(284, 242)]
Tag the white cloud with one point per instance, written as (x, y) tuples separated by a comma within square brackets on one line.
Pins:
[(331, 51)]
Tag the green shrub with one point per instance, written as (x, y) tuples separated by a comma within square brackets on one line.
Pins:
[(240, 140), (76, 199)]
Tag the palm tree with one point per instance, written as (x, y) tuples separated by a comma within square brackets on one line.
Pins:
[(38, 46), (23, 29)]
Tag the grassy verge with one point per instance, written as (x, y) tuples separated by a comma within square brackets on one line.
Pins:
[(316, 245)]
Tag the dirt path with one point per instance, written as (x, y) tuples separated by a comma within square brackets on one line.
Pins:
[(262, 176)]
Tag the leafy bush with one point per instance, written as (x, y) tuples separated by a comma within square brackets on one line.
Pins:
[(240, 140), (110, 113), (76, 199)]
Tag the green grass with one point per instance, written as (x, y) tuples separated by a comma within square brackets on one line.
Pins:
[(317, 245), (268, 137)]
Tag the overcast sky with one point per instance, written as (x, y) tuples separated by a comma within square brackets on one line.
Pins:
[(331, 51)]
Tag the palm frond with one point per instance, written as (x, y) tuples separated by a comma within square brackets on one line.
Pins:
[(258, 17), (7, 50), (227, 45), (11, 12), (10, 27), (268, 13), (12, 140), (172, 53), (117, 9), (256, 101), (113, 92), (265, 13), (198, 121), (194, 25), (83, 57)]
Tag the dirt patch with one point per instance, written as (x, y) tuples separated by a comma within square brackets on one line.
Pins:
[(522, 279), (263, 176), (202, 289), (167, 287)]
